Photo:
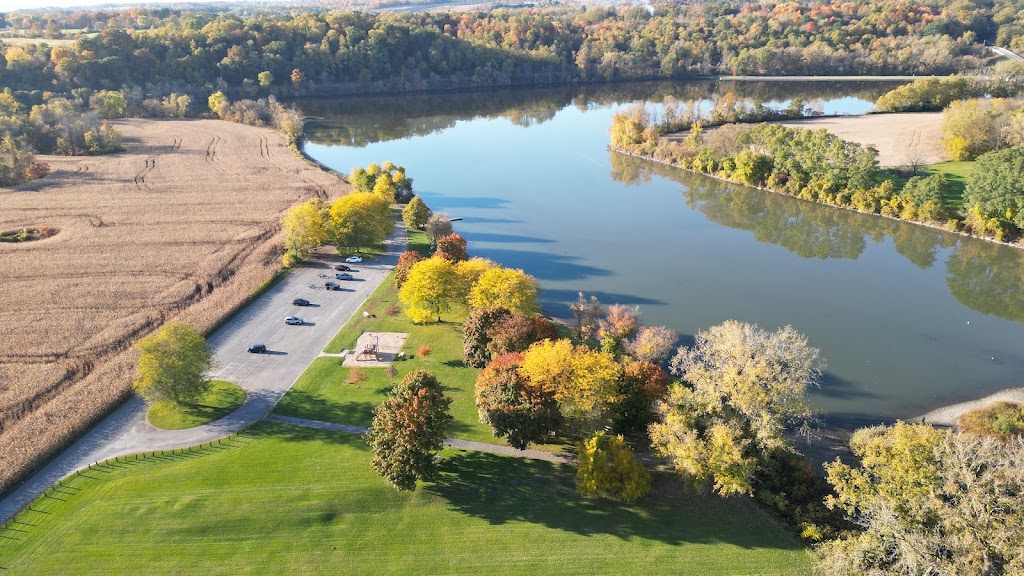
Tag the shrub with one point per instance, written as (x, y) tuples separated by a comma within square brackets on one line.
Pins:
[(1000, 420), (357, 376), (423, 351), (608, 468)]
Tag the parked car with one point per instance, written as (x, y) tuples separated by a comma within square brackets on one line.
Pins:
[(354, 259), (342, 268), (343, 276), (300, 302), (293, 321), (257, 348), (332, 286)]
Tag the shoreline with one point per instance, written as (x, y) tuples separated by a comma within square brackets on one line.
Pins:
[(934, 226), (948, 415)]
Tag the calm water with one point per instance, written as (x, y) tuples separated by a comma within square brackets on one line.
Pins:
[(907, 318)]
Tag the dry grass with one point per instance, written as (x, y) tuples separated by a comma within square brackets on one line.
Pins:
[(183, 225), (1000, 420), (901, 139)]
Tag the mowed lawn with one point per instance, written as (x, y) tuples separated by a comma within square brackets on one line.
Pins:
[(323, 392), (956, 174), (287, 500)]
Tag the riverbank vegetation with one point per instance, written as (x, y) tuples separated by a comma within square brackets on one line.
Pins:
[(818, 166), (1000, 420)]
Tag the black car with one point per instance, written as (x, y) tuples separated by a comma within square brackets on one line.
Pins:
[(342, 268), (300, 302), (257, 348)]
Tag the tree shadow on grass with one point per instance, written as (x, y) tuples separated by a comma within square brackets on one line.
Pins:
[(502, 490), (281, 431), (305, 405)]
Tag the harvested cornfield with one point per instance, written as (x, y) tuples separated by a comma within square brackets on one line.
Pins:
[(184, 224)]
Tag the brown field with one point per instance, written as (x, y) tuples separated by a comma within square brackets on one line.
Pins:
[(183, 224), (899, 138)]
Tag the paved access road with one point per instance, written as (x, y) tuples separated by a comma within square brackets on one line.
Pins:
[(265, 377)]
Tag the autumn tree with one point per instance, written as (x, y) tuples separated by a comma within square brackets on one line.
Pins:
[(173, 363), (384, 188), (512, 406), (641, 387), (405, 263), (620, 322), (415, 213), (219, 104), (744, 386), (305, 227), (607, 467), (408, 429), (476, 334), (360, 220), (470, 272), (431, 289), (505, 287), (108, 104), (652, 344), (265, 78), (929, 502), (517, 332), (587, 314), (438, 225), (451, 247), (584, 381)]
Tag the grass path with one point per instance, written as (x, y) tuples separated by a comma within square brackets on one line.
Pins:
[(289, 500)]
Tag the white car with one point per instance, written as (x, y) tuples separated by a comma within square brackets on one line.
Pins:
[(354, 259), (293, 320)]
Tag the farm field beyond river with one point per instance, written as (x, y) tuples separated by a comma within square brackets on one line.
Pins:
[(182, 224)]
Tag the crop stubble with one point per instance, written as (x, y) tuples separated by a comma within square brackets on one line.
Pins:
[(184, 224)]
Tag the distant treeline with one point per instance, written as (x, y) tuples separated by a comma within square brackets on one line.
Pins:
[(250, 54)]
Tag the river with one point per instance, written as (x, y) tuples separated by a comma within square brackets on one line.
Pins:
[(907, 318)]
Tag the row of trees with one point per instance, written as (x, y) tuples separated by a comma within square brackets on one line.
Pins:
[(287, 52), (975, 126)]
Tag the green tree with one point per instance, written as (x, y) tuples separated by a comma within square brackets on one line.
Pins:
[(476, 334), (415, 213), (431, 289), (744, 387), (929, 502), (506, 287), (173, 363), (266, 78), (108, 104), (512, 406), (608, 468), (360, 220), (408, 430), (996, 186)]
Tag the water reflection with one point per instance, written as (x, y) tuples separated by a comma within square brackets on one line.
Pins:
[(358, 122), (983, 276)]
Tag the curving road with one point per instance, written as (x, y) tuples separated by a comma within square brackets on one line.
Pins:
[(265, 377)]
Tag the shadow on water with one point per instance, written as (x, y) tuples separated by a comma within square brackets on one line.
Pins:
[(543, 265), (441, 202), (509, 238), (833, 386)]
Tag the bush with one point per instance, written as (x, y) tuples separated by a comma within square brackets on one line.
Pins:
[(357, 376), (1000, 420), (423, 351), (608, 468)]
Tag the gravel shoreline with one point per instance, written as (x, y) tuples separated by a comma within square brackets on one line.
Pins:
[(947, 415)]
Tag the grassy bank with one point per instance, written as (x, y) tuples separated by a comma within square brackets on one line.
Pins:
[(289, 500)]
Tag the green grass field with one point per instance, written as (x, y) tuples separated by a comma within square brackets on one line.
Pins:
[(287, 500), (221, 399), (322, 393), (956, 174)]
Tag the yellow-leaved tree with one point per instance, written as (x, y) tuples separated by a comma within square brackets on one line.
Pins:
[(471, 270), (305, 228), (172, 364), (510, 288), (360, 220), (431, 289), (584, 381)]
